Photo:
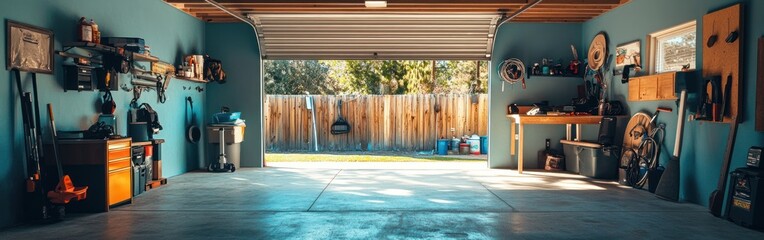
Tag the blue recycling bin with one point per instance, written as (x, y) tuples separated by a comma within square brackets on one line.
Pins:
[(484, 145), (443, 146)]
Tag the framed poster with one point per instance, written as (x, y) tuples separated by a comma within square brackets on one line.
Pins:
[(627, 54), (28, 48)]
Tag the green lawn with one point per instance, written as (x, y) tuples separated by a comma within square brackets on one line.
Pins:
[(365, 157)]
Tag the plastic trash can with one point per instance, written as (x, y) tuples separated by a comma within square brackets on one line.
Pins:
[(443, 146), (234, 135), (484, 145)]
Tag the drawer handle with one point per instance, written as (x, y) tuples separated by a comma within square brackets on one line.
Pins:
[(119, 159), (119, 170)]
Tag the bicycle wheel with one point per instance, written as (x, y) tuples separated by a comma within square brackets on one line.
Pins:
[(630, 164), (646, 155)]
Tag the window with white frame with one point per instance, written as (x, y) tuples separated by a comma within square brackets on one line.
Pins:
[(673, 49)]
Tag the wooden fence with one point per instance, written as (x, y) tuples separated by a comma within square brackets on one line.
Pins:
[(379, 122)]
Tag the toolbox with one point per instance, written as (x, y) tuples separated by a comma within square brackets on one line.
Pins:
[(745, 200), (79, 77)]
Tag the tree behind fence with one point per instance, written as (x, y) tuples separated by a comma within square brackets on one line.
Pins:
[(379, 122)]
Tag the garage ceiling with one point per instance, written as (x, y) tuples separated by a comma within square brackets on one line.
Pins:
[(405, 29)]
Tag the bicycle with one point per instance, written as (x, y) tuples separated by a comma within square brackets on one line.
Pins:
[(638, 162)]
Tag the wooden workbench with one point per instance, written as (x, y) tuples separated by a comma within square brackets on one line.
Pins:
[(521, 120)]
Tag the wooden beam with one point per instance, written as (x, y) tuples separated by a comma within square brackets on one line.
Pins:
[(547, 11), (389, 2)]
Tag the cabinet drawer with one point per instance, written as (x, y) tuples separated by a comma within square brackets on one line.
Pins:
[(120, 144), (119, 163), (120, 188), (119, 153)]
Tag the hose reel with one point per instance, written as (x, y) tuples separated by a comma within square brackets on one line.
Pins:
[(512, 71)]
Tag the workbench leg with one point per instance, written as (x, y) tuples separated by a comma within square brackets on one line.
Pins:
[(568, 132), (512, 142), (578, 132), (520, 151)]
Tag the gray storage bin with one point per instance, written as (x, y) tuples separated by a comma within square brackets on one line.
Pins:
[(571, 159), (590, 159)]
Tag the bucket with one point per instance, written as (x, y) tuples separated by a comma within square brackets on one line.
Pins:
[(464, 148), (484, 145), (443, 146), (474, 145), (455, 144)]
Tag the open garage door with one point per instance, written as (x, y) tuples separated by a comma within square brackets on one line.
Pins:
[(376, 36)]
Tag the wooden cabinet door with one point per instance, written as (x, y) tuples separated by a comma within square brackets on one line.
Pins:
[(666, 86), (634, 89), (648, 88)]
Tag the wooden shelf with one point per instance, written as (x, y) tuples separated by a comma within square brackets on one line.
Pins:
[(726, 120), (556, 76), (145, 58), (191, 79), (100, 48)]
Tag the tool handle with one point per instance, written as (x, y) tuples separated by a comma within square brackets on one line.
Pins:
[(50, 111), (664, 109)]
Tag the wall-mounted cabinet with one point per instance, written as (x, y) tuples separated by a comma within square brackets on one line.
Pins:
[(658, 87)]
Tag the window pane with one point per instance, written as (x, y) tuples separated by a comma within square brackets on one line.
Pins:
[(676, 51)]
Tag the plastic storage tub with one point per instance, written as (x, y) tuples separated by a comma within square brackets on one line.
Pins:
[(590, 159), (571, 161), (226, 117)]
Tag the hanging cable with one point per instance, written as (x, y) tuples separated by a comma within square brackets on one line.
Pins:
[(512, 71)]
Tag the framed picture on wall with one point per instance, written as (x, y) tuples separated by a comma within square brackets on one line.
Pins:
[(627, 54), (28, 48)]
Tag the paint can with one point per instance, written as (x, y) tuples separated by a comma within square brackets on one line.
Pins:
[(455, 145), (464, 148)]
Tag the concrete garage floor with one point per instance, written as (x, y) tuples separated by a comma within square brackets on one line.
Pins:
[(382, 201)]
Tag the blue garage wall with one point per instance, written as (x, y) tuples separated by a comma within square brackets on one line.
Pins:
[(529, 42), (236, 45), (704, 143), (170, 33)]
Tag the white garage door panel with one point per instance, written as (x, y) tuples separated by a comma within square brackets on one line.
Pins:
[(375, 36)]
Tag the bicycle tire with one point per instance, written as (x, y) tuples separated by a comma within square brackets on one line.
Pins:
[(646, 153)]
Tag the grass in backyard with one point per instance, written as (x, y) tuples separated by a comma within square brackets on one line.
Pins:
[(346, 157)]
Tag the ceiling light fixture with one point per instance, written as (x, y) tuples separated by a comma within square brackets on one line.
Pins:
[(376, 4)]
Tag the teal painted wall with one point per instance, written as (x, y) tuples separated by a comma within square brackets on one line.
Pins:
[(704, 143), (236, 45), (170, 33), (529, 42)]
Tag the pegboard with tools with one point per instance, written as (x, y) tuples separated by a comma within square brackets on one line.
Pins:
[(722, 38)]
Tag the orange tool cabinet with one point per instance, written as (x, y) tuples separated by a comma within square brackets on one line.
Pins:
[(104, 166)]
